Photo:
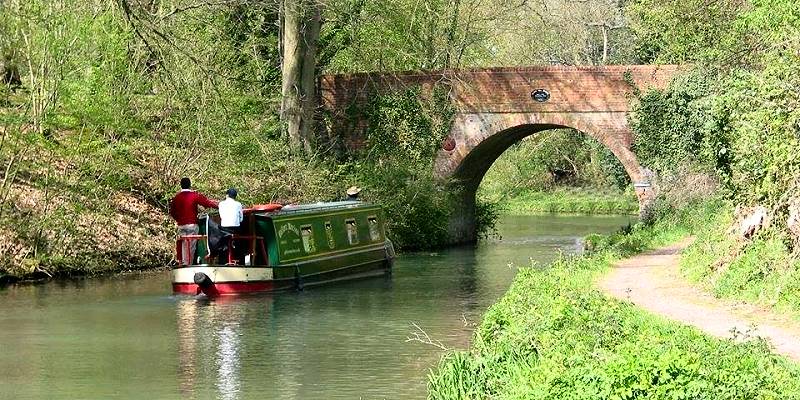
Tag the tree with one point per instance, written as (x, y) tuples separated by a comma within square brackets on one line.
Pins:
[(559, 32), (689, 31), (302, 21)]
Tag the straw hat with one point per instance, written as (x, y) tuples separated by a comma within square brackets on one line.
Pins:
[(353, 190)]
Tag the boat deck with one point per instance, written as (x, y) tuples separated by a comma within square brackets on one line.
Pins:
[(326, 206)]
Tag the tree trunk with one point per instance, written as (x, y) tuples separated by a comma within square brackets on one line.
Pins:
[(452, 30), (291, 113), (605, 44), (308, 78), (301, 27)]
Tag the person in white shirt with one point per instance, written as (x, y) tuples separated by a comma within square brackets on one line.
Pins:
[(230, 212), (230, 220)]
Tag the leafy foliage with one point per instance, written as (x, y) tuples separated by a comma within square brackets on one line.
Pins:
[(405, 124), (678, 126), (404, 132), (680, 31), (737, 120)]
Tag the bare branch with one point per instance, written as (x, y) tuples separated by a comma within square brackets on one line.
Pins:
[(419, 335)]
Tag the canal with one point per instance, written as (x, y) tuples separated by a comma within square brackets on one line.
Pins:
[(127, 337)]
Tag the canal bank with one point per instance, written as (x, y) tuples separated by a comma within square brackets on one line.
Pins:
[(554, 335)]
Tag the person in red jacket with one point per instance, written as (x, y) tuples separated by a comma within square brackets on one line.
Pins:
[(183, 208)]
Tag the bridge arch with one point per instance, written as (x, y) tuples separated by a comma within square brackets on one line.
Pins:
[(480, 139)]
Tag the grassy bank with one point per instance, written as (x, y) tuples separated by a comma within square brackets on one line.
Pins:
[(81, 197), (764, 270), (570, 201), (553, 336)]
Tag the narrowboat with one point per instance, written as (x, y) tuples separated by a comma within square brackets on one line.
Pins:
[(284, 247)]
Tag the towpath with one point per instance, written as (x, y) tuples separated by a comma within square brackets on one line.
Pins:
[(653, 281)]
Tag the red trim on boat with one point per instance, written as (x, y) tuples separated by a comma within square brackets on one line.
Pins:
[(225, 288), (263, 207), (185, 288)]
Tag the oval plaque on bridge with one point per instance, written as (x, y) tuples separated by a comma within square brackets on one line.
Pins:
[(449, 144), (540, 95)]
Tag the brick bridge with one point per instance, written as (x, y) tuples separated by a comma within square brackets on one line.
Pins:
[(497, 107)]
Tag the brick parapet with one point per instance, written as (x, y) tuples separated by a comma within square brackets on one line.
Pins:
[(581, 90), (572, 89)]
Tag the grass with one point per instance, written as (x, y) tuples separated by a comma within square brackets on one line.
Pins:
[(762, 270), (553, 336), (570, 201)]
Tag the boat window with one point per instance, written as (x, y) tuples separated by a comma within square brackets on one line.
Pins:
[(308, 239), (329, 234), (352, 231), (374, 229)]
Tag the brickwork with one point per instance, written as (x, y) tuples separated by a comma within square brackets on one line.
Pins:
[(495, 109), (582, 89)]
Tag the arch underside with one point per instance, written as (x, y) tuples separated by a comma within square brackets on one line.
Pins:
[(477, 163), (482, 138)]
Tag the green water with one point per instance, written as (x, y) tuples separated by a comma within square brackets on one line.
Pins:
[(130, 338)]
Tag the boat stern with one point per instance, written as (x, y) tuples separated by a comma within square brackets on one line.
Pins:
[(221, 280)]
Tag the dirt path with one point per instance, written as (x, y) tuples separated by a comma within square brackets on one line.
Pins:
[(652, 281)]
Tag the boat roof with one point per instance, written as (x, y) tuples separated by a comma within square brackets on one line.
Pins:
[(315, 207)]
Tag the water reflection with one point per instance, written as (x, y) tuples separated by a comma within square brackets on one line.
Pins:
[(228, 361), (187, 348)]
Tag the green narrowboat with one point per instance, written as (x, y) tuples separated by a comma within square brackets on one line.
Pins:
[(279, 248)]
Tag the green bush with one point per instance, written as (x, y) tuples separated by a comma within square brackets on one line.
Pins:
[(404, 131), (417, 207), (735, 113), (486, 215), (677, 126), (406, 124)]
